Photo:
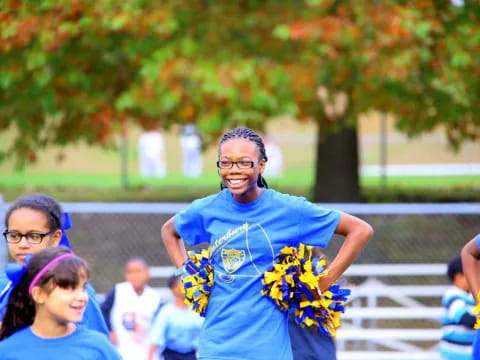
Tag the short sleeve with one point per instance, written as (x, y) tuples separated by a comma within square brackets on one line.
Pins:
[(317, 224), (189, 224), (108, 351), (156, 335), (478, 241), (93, 317)]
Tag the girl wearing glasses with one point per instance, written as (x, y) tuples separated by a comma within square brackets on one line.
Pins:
[(245, 225), (33, 223), (49, 297)]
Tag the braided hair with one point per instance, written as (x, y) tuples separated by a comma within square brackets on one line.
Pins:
[(250, 135), (65, 274), (39, 202)]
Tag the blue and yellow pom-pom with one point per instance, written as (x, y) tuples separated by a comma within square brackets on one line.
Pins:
[(292, 283), (197, 280), (476, 312)]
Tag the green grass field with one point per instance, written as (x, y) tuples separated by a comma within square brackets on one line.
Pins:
[(89, 171), (302, 179)]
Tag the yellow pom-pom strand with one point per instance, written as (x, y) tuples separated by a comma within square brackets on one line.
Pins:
[(476, 312), (197, 280), (292, 283)]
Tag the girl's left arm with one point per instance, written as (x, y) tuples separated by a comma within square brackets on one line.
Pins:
[(471, 265), (357, 234)]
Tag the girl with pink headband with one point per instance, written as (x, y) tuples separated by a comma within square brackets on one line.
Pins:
[(48, 298)]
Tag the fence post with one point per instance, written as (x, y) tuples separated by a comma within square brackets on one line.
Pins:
[(372, 302)]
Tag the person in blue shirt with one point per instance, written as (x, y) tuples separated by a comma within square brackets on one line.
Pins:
[(48, 298), (33, 223), (246, 225), (175, 332), (458, 321), (471, 262)]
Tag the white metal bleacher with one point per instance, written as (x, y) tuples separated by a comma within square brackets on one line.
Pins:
[(359, 323)]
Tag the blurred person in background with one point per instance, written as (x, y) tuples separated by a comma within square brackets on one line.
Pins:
[(458, 321), (33, 223), (129, 308), (191, 144), (175, 331), (471, 265), (275, 158), (151, 154)]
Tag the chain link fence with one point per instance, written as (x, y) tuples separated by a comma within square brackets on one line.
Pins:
[(108, 234)]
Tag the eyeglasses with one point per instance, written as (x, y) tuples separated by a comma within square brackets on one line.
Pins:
[(14, 237), (242, 164)]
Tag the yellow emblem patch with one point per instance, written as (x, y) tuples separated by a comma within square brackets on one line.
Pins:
[(232, 259)]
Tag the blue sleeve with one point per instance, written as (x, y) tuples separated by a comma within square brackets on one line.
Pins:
[(93, 318), (109, 352), (478, 241), (106, 350), (317, 224), (189, 224), (5, 290), (107, 306)]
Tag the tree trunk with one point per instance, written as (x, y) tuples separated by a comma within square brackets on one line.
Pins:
[(337, 174)]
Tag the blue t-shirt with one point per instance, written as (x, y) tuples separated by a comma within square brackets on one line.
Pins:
[(82, 344), (176, 329), (244, 239), (92, 317)]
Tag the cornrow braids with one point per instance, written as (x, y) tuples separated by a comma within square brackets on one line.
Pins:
[(40, 202), (250, 135)]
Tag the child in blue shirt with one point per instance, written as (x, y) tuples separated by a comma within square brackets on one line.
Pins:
[(48, 298), (458, 321), (33, 223), (175, 331), (246, 225), (471, 262)]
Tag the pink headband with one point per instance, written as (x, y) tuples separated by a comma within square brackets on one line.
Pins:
[(46, 268)]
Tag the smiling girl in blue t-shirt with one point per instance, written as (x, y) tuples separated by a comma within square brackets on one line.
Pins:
[(246, 225)]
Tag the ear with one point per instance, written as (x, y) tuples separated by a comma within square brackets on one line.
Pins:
[(56, 237), (261, 165), (39, 295), (221, 179)]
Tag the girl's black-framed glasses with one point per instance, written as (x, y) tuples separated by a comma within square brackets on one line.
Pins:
[(14, 237), (242, 164)]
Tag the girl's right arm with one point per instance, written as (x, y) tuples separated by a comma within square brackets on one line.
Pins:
[(471, 266), (173, 243)]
